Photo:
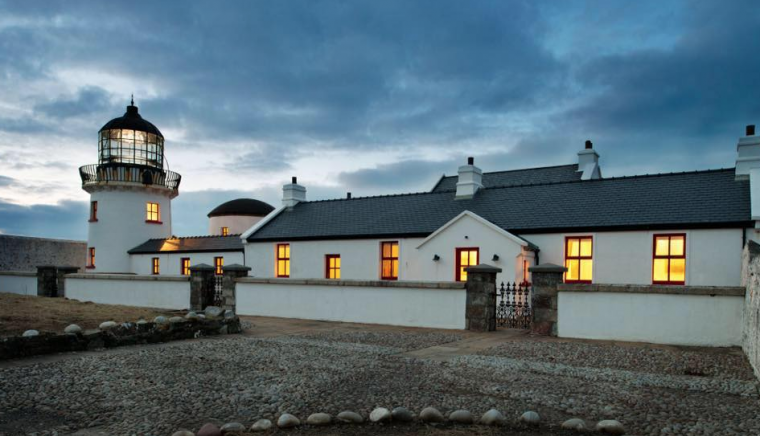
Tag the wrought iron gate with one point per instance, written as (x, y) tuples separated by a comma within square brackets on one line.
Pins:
[(513, 305), (218, 299)]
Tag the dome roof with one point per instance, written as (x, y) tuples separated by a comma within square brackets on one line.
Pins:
[(242, 206), (132, 121)]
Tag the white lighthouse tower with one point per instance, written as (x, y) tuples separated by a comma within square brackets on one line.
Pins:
[(130, 192)]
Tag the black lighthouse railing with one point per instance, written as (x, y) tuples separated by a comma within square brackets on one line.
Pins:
[(146, 175)]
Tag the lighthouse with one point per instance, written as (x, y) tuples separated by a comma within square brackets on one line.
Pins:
[(130, 192)]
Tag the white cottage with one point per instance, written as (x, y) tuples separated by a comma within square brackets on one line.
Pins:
[(675, 229)]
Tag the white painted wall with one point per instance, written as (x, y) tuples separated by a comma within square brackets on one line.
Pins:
[(18, 283), (237, 224), (130, 290), (169, 263), (713, 257), (403, 306), (360, 258), (656, 318), (121, 225)]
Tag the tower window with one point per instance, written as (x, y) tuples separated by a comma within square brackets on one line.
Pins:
[(332, 266), (225, 231), (153, 212), (184, 266), (93, 211), (218, 265), (282, 260), (155, 266), (91, 257)]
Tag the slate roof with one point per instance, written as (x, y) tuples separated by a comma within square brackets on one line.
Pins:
[(530, 176), (700, 199), (189, 244)]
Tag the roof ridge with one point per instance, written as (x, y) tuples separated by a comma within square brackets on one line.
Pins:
[(522, 169), (403, 194), (195, 237)]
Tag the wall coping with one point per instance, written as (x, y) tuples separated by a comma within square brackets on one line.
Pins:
[(157, 278), (724, 291), (360, 283), (19, 273)]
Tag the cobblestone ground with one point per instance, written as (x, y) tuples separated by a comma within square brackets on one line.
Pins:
[(156, 390)]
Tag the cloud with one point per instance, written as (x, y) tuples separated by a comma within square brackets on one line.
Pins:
[(87, 101), (6, 181), (67, 220)]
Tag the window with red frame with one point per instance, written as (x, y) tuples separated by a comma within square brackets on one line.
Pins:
[(332, 266), (93, 211), (579, 259), (218, 266), (465, 257), (184, 266), (152, 212), (669, 259), (389, 260), (155, 266), (91, 257)]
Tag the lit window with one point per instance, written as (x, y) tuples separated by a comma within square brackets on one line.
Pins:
[(466, 257), (526, 272), (153, 212), (93, 211), (218, 265), (389, 260), (332, 266), (225, 231), (669, 262), (184, 266), (91, 257), (156, 268), (282, 267), (579, 259)]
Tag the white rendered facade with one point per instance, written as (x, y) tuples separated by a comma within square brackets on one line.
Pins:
[(235, 224)]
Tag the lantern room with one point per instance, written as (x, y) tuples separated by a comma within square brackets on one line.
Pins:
[(131, 140)]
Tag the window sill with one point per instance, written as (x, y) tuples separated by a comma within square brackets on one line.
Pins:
[(153, 222), (90, 267), (578, 282), (670, 283), (282, 277), (92, 221), (389, 279)]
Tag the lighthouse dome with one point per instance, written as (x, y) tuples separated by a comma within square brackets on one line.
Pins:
[(132, 140)]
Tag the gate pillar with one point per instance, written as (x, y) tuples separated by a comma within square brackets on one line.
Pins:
[(480, 312), (201, 286), (231, 272), (546, 277)]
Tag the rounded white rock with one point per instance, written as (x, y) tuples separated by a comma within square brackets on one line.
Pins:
[(431, 414), (381, 414), (261, 425), (350, 417), (286, 420), (610, 426), (493, 417), (107, 325), (530, 417), (461, 417), (72, 329), (319, 419), (574, 424), (30, 333)]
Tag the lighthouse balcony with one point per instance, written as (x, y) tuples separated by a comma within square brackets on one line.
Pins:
[(104, 174)]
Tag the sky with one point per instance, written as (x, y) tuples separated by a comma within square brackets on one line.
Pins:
[(371, 97)]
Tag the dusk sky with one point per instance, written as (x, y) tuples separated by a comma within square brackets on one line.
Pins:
[(372, 97)]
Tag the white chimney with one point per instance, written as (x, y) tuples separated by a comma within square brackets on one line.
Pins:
[(470, 180), (293, 193), (747, 153), (588, 163)]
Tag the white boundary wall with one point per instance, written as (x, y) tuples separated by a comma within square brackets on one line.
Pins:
[(412, 304), (160, 292), (18, 282), (661, 318)]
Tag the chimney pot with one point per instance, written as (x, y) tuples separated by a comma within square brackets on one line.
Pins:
[(750, 130), (348, 195), (294, 180), (470, 160), (589, 145)]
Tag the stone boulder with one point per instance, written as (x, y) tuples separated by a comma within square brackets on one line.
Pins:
[(319, 419), (261, 425), (72, 329), (213, 312), (286, 420), (431, 414), (108, 325), (209, 430), (530, 417), (461, 417), (610, 426), (176, 319), (232, 427), (402, 414), (30, 333), (191, 315), (493, 417), (380, 414), (350, 417), (574, 424), (183, 433), (160, 319)]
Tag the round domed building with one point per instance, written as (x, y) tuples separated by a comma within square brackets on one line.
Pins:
[(237, 216)]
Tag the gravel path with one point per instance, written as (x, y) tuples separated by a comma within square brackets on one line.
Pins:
[(159, 389)]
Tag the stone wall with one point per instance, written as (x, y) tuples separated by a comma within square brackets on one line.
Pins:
[(751, 278), (21, 253)]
